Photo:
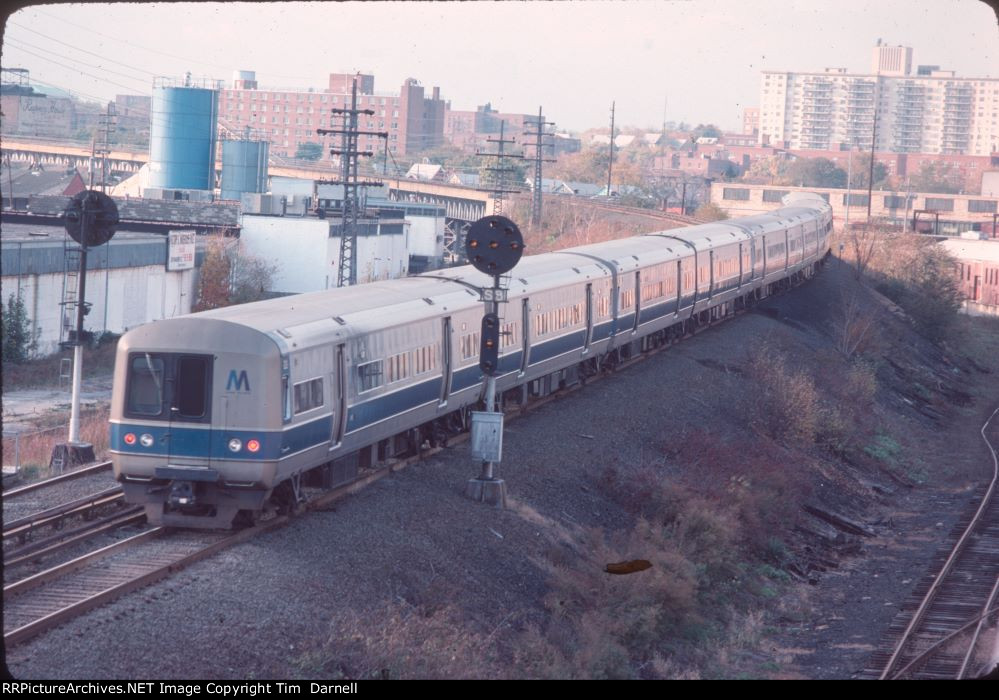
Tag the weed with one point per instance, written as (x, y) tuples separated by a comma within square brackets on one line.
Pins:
[(885, 449)]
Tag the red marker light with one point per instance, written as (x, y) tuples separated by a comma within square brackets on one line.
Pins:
[(129, 438), (253, 445)]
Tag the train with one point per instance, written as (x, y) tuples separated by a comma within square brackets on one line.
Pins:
[(221, 416)]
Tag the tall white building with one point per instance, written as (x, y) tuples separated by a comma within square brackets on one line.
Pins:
[(932, 111)]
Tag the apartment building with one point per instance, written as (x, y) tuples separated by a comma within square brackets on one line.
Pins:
[(929, 111)]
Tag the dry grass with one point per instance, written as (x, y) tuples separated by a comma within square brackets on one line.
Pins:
[(34, 449)]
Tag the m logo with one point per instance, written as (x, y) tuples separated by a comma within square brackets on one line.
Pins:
[(238, 382)]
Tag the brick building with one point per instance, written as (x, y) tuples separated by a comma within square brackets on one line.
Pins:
[(290, 117)]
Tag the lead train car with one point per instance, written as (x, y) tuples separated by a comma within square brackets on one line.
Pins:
[(216, 413)]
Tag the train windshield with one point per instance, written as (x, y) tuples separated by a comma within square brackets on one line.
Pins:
[(168, 386)]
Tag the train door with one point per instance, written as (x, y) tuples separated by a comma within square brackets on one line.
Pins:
[(638, 299), (679, 286), (711, 273), (589, 317), (338, 394), (446, 355), (525, 323), (188, 384), (765, 257)]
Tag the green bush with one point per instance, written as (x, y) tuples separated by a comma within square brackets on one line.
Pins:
[(19, 342)]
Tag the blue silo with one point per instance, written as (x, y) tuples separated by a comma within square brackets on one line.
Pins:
[(182, 138), (244, 167)]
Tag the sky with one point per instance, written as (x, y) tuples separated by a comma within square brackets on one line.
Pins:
[(692, 60)]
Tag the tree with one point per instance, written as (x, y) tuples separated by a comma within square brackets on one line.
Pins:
[(707, 131), (19, 342), (815, 172), (228, 275), (936, 177), (937, 291), (862, 168), (309, 150), (709, 211)]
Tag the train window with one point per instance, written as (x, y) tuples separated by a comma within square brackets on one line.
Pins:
[(603, 307), (627, 298), (369, 376), (308, 395), (398, 367), (192, 386), (470, 345), (425, 358), (508, 335), (145, 385)]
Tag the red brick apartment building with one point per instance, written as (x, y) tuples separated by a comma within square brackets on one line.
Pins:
[(290, 117)]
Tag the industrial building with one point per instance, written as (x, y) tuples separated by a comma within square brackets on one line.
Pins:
[(941, 214), (305, 250), (130, 280), (978, 271), (929, 111)]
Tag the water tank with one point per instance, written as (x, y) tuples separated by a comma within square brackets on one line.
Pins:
[(244, 167), (182, 138)]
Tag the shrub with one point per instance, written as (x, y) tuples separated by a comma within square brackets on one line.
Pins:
[(784, 404), (19, 342)]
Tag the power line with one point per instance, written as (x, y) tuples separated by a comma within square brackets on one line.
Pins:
[(76, 48)]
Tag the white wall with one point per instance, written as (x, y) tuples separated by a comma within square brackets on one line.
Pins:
[(426, 236), (307, 259), (120, 298)]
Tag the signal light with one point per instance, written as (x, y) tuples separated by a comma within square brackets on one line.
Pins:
[(129, 438), (253, 445), (489, 345)]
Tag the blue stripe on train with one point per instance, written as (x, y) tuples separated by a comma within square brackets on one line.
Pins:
[(178, 441)]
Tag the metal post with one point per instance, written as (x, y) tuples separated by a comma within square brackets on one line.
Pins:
[(610, 164), (74, 418), (849, 181)]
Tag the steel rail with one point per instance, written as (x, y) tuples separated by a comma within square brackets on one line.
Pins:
[(28, 523), (68, 476), (958, 548)]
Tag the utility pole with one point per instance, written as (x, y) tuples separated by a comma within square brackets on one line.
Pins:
[(107, 121), (500, 169), (352, 205), (610, 164), (539, 146), (874, 134)]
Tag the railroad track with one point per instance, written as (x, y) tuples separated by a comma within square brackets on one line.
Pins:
[(939, 637), (62, 478), (87, 506)]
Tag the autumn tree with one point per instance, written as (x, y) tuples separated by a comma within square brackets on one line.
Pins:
[(814, 172), (228, 275), (709, 211), (936, 177), (860, 175)]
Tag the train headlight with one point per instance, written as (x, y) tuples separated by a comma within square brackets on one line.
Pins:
[(129, 438), (146, 440), (253, 445), (235, 445)]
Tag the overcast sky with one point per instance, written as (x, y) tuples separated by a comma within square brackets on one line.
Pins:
[(701, 57)]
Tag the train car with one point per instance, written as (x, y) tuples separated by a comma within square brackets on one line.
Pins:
[(217, 416)]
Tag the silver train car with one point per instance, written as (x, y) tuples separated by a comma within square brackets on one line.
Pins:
[(217, 415)]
